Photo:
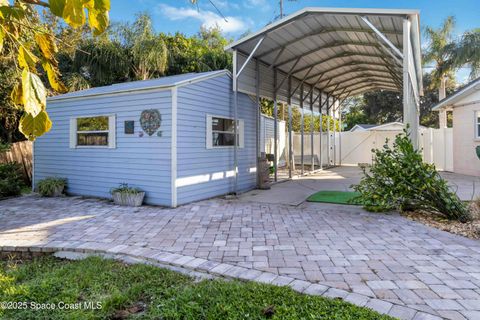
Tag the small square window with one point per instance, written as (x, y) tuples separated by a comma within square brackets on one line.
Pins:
[(97, 131), (221, 132)]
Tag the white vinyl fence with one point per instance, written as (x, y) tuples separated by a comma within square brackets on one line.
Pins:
[(267, 141), (352, 148)]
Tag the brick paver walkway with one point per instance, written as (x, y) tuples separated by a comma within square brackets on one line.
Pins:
[(384, 262)]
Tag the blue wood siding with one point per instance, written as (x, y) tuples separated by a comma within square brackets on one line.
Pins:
[(201, 172), (144, 162)]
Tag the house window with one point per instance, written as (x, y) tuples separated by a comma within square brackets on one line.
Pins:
[(477, 124), (96, 131), (221, 132)]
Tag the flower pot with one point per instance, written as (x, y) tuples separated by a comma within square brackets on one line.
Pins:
[(57, 192), (128, 199)]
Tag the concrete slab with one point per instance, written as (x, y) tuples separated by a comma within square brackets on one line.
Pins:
[(297, 190), (466, 187)]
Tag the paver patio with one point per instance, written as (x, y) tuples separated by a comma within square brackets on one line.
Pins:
[(384, 262)]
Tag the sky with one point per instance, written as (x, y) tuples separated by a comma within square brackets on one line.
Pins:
[(170, 16)]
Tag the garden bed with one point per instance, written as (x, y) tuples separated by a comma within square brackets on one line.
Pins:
[(106, 289), (469, 229)]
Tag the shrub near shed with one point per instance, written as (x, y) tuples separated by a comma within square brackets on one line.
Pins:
[(399, 179), (10, 179)]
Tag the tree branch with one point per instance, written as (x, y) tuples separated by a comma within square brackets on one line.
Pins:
[(37, 2)]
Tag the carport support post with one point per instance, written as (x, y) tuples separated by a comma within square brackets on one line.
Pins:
[(321, 130), (334, 134), (328, 129), (275, 125), (311, 130), (410, 112), (290, 147), (340, 134), (258, 116), (235, 106), (302, 131), (235, 75)]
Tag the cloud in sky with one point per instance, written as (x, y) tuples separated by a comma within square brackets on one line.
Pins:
[(207, 18), (262, 5)]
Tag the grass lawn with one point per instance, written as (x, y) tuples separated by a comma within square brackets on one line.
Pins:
[(147, 292), (339, 197)]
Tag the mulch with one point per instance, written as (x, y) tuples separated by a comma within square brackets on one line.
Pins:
[(469, 229)]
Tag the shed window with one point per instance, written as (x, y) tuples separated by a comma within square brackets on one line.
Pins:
[(220, 132), (477, 124), (97, 131)]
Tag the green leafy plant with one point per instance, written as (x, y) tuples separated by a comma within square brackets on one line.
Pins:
[(4, 147), (399, 179), (125, 189), (10, 179), (32, 47), (51, 186)]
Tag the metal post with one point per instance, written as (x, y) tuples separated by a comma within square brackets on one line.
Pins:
[(334, 134), (311, 130), (235, 74), (258, 116), (235, 138), (410, 111), (302, 128), (340, 134), (321, 130), (275, 125), (328, 130), (290, 147)]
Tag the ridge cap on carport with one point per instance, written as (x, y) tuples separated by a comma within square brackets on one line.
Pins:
[(367, 11)]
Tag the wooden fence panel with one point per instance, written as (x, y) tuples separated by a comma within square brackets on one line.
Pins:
[(20, 152)]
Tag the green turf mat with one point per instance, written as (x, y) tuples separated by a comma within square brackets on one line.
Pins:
[(340, 197)]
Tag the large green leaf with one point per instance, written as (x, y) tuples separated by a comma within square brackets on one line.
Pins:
[(26, 59), (98, 20), (33, 127), (46, 44), (52, 75), (33, 93), (57, 7), (11, 12), (74, 13), (2, 37)]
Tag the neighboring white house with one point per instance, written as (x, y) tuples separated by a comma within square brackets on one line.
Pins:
[(391, 126), (465, 106)]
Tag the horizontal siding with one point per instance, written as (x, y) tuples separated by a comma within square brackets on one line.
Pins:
[(143, 162), (202, 173)]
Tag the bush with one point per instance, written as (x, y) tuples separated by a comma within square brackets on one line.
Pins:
[(51, 186), (4, 147), (124, 188), (399, 179), (10, 179)]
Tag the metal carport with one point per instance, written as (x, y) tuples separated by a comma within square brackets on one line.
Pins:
[(317, 57)]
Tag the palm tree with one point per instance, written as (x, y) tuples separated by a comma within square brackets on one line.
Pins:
[(468, 52), (148, 50), (441, 50)]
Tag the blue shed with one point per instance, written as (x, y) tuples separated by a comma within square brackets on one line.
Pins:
[(173, 137)]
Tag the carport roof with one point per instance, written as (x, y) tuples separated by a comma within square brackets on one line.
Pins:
[(337, 48)]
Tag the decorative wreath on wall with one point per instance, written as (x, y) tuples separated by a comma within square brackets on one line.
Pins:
[(150, 121)]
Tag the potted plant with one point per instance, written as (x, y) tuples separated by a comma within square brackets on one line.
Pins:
[(127, 196), (52, 186)]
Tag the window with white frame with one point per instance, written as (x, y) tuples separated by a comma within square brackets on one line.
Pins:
[(477, 124), (95, 131), (221, 132)]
